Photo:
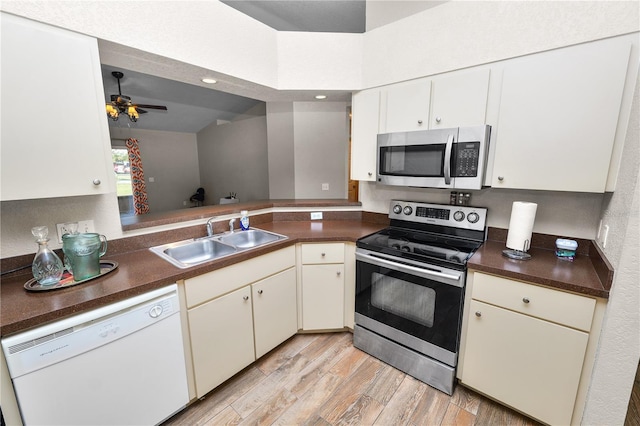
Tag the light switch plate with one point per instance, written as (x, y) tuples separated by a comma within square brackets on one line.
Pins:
[(83, 226)]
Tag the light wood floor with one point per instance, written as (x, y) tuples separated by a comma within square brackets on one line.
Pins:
[(321, 379)]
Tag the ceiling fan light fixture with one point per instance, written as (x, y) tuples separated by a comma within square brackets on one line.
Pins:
[(320, 97), (133, 114), (112, 112), (209, 80)]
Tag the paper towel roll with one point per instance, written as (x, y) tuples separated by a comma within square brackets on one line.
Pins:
[(523, 215)]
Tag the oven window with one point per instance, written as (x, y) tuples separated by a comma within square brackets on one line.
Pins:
[(403, 299), (412, 160), (423, 308)]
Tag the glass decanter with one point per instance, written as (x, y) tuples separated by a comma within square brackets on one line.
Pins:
[(47, 267)]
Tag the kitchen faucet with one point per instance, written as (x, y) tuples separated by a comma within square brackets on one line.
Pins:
[(231, 222), (210, 227)]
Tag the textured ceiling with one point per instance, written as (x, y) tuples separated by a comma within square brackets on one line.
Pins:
[(343, 16)]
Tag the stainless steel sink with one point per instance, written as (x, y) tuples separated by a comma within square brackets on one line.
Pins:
[(249, 239), (185, 254)]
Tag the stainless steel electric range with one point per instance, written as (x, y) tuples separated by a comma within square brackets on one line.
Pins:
[(410, 282)]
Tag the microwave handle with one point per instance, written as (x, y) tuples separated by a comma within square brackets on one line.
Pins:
[(447, 160)]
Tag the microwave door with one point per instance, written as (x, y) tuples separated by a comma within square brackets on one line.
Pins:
[(416, 158)]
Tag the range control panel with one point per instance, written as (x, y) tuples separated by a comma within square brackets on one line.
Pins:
[(463, 217)]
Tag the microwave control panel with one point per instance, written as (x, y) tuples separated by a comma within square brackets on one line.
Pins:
[(466, 158)]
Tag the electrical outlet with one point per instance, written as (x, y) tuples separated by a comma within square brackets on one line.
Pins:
[(83, 226), (316, 215), (325, 186)]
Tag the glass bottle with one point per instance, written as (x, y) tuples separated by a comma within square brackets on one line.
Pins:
[(47, 267)]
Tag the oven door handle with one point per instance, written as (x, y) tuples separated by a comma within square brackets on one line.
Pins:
[(401, 267)]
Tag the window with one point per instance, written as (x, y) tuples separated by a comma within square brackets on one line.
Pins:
[(122, 170)]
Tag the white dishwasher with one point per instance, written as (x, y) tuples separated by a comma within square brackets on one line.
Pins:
[(122, 364)]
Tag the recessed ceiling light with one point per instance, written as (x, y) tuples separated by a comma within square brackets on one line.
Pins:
[(321, 96), (209, 80)]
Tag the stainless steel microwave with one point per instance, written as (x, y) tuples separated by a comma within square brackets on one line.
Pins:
[(453, 158)]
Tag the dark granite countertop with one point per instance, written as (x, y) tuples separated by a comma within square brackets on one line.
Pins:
[(140, 271), (588, 274)]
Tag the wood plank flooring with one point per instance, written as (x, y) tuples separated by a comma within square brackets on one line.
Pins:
[(321, 379)]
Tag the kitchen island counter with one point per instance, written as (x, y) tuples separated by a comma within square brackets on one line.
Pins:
[(140, 271)]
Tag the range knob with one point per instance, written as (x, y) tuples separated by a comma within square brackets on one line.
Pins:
[(397, 209), (458, 216), (473, 217), (407, 210)]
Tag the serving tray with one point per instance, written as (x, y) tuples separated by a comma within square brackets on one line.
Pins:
[(67, 280)]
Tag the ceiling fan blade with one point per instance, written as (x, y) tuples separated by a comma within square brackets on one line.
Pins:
[(161, 107), (141, 111)]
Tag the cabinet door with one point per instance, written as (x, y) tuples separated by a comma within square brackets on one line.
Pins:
[(527, 363), (407, 106), (364, 134), (459, 99), (221, 338), (558, 117), (275, 316), (55, 139), (322, 296)]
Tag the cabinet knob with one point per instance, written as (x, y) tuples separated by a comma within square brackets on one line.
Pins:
[(96, 182), (339, 273), (245, 298), (438, 119), (323, 254), (420, 122), (500, 178), (259, 291), (525, 300), (370, 174), (478, 313)]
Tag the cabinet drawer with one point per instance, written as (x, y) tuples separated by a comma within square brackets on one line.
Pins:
[(216, 283), (563, 308), (322, 253)]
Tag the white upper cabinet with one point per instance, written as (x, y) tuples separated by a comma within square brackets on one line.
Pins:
[(459, 99), (364, 132), (406, 106), (55, 137), (558, 117)]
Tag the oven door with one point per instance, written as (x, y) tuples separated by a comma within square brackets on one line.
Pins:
[(414, 304)]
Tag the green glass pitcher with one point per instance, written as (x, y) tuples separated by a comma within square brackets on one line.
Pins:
[(82, 253)]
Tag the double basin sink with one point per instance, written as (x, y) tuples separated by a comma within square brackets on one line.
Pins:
[(187, 253)]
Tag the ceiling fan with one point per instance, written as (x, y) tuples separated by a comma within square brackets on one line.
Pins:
[(122, 104)]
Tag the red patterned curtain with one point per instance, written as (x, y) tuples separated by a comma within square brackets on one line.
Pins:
[(140, 202)]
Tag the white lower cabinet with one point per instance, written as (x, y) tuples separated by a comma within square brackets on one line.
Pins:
[(221, 334), (323, 286), (525, 345), (238, 313), (274, 310)]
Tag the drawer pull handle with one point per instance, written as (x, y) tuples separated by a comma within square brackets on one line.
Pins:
[(478, 314), (525, 300), (259, 291), (245, 298)]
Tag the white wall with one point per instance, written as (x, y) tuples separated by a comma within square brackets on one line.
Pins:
[(619, 350), (171, 159), (233, 158), (281, 150), (321, 138), (458, 34)]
